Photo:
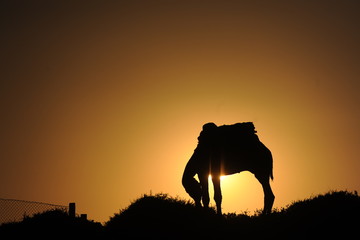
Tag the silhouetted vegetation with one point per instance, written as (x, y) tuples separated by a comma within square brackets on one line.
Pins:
[(52, 224), (161, 216)]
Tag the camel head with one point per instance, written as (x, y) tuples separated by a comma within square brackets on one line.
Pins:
[(207, 133)]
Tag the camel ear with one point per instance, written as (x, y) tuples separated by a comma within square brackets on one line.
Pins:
[(209, 126)]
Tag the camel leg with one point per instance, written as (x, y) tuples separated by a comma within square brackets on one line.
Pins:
[(193, 188), (217, 193), (191, 185), (204, 182), (269, 196)]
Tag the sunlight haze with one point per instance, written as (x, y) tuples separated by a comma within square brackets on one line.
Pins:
[(103, 101)]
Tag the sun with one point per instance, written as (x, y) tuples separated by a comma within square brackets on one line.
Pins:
[(222, 177)]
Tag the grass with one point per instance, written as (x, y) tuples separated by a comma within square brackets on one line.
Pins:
[(161, 216)]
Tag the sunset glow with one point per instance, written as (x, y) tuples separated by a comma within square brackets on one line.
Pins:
[(103, 102), (221, 177)]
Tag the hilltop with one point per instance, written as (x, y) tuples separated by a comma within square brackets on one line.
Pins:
[(162, 216)]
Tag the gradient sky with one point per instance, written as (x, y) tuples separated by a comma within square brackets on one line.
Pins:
[(103, 101)]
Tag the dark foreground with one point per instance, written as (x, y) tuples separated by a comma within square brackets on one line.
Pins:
[(335, 214)]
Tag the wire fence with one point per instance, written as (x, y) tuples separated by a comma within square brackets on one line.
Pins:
[(13, 210)]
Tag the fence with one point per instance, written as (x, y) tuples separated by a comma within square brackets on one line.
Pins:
[(13, 210)]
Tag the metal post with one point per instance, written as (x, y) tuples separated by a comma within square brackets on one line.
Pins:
[(83, 216), (72, 210)]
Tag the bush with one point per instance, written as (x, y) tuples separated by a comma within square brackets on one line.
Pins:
[(163, 216)]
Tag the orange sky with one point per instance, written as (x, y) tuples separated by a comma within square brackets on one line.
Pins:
[(102, 102)]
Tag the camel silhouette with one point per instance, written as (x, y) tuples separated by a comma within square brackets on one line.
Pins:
[(225, 150)]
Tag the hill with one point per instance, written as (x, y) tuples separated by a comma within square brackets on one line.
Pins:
[(331, 214), (334, 214)]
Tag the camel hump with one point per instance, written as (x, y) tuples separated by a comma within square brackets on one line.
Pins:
[(209, 126), (240, 131), (244, 133), (245, 127)]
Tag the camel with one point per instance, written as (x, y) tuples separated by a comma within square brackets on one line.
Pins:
[(225, 150)]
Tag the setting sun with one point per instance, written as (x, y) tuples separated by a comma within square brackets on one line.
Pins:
[(222, 177), (104, 101)]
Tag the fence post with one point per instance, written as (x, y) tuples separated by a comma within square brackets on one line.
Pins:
[(72, 210), (83, 216)]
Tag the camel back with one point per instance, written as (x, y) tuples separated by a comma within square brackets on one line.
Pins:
[(243, 133), (245, 128), (238, 132)]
